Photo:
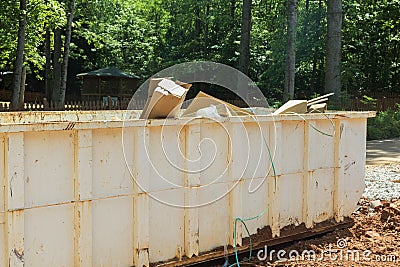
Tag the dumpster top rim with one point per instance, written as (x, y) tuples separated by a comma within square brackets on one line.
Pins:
[(70, 120)]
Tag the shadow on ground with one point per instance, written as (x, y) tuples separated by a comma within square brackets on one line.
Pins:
[(383, 151)]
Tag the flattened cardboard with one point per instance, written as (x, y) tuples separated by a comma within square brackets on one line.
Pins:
[(165, 98), (203, 100), (293, 106)]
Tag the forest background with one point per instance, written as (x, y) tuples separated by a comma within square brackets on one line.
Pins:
[(289, 48)]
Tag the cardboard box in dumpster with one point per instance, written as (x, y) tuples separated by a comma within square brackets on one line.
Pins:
[(165, 97)]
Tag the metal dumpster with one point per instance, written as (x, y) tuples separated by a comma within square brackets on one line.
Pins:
[(103, 188)]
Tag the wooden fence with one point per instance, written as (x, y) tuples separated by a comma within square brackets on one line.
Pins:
[(28, 96), (109, 104), (356, 104), (106, 104)]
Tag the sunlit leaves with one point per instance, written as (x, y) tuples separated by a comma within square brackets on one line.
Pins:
[(40, 14)]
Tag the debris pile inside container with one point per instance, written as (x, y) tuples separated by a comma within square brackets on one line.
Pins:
[(165, 98)]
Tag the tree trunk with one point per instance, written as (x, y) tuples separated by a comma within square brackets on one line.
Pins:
[(233, 7), (19, 61), (290, 50), (244, 58), (48, 65), (64, 69), (197, 21), (206, 32), (56, 66), (22, 88), (316, 56), (334, 48), (232, 34)]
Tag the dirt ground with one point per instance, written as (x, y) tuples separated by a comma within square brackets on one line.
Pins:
[(374, 240)]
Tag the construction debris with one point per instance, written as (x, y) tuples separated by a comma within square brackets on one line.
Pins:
[(165, 98), (317, 108), (319, 99), (292, 106), (315, 105)]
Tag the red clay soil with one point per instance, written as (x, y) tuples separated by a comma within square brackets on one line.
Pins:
[(374, 240)]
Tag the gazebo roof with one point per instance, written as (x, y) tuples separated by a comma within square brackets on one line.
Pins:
[(108, 72)]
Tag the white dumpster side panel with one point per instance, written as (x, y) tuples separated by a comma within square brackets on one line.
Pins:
[(111, 176), (291, 147), (214, 219), (49, 236), (49, 167), (240, 151), (266, 145), (352, 162), (113, 232), (166, 226), (321, 146), (255, 199), (165, 152), (250, 155), (321, 194), (290, 192), (215, 153)]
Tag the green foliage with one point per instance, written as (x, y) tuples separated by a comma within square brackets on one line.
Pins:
[(40, 14), (366, 100), (315, 95), (8, 31), (371, 39), (145, 36), (311, 48), (386, 124), (275, 104)]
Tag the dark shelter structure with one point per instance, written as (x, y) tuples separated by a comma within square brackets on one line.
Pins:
[(106, 82)]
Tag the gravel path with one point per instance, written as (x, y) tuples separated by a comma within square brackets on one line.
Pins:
[(382, 181)]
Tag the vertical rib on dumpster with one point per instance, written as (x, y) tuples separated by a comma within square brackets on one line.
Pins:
[(15, 198), (338, 183), (192, 137), (82, 193), (3, 208), (307, 175), (141, 171), (273, 184)]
